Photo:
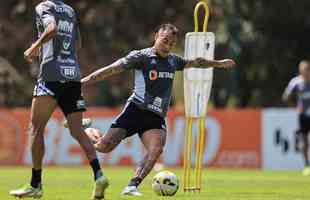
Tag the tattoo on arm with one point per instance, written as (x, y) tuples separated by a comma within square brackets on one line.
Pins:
[(48, 34), (201, 63), (104, 73)]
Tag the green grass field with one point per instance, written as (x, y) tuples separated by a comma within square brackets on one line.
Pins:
[(76, 183)]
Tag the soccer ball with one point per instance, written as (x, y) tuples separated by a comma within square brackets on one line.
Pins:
[(165, 183)]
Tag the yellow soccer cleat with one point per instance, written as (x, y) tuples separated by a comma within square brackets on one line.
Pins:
[(306, 171), (100, 186)]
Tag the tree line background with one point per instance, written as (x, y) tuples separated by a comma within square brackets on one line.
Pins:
[(266, 38)]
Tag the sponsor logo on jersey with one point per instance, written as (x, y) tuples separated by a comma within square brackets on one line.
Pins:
[(155, 108), (166, 75), (65, 26), (153, 75), (68, 72), (157, 103), (67, 60), (64, 9)]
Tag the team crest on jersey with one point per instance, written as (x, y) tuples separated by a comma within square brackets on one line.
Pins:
[(66, 44), (171, 61)]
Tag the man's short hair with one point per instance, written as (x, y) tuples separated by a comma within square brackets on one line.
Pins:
[(170, 27)]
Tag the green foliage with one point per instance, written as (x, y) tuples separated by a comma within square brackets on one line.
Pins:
[(267, 38)]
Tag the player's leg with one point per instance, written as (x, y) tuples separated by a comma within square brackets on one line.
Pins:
[(110, 140), (77, 132), (93, 134), (72, 104), (305, 151), (306, 148), (41, 110), (120, 129), (154, 141), (304, 129)]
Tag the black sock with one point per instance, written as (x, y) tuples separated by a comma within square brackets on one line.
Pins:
[(135, 181), (36, 177), (96, 168)]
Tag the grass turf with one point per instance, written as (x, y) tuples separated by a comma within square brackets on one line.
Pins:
[(66, 183)]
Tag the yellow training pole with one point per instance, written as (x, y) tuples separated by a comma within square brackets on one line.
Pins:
[(205, 21), (200, 136), (201, 153)]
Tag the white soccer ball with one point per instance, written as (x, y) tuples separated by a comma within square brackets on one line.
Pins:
[(165, 183)]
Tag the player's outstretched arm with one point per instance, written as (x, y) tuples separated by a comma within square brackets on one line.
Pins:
[(48, 34), (286, 97), (204, 63), (289, 91), (103, 73)]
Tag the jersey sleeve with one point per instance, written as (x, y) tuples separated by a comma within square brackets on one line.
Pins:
[(77, 23), (180, 62), (134, 60), (290, 89), (46, 12)]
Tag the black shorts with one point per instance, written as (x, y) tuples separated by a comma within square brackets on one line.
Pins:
[(136, 120), (304, 123), (67, 94)]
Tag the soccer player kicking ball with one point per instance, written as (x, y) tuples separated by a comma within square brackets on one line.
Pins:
[(300, 86), (145, 111), (58, 85)]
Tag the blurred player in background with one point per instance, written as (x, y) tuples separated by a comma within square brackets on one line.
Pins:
[(145, 111), (300, 87), (58, 85)]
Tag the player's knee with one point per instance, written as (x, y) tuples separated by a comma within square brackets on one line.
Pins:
[(156, 151), (105, 146), (77, 134), (35, 130)]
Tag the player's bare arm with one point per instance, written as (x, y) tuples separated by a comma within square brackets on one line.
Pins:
[(48, 34), (204, 63), (103, 73), (286, 97)]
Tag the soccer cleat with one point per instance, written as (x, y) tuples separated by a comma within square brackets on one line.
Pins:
[(131, 191), (86, 123), (306, 171), (100, 186), (27, 191)]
